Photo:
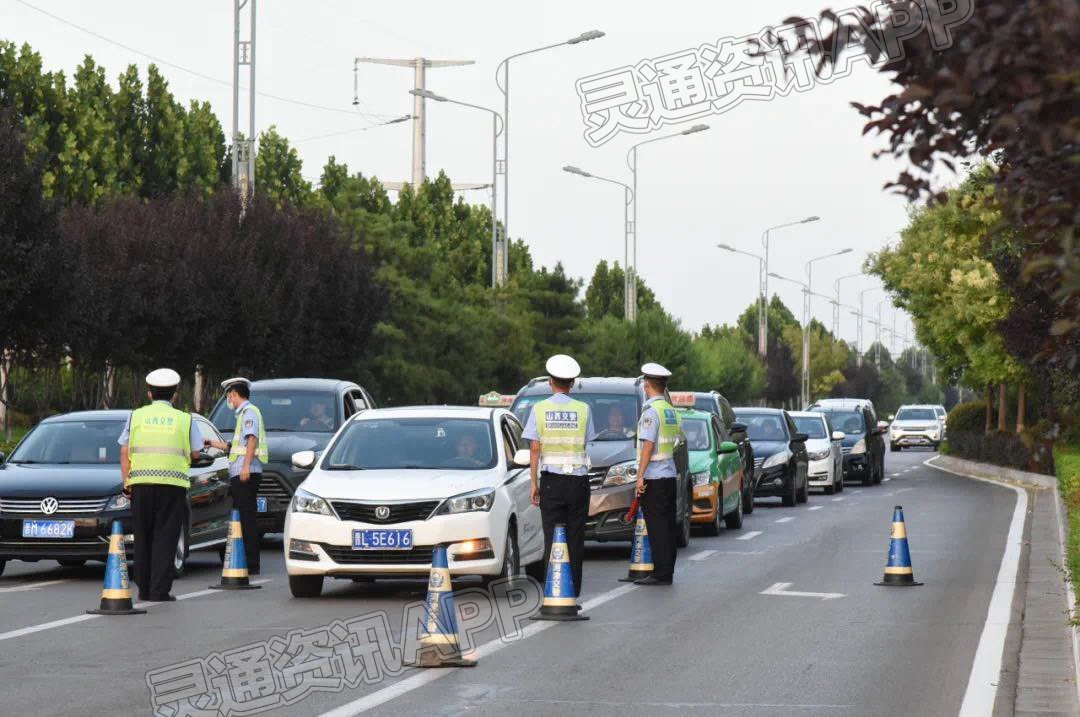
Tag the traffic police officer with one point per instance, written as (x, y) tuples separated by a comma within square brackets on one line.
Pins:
[(658, 430), (558, 430), (157, 447), (248, 453)]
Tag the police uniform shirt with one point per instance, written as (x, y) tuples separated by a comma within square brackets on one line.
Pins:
[(249, 426), (649, 430), (196, 437), (531, 434)]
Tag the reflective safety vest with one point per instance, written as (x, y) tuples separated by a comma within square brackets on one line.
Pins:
[(670, 430), (563, 430), (238, 448), (159, 446)]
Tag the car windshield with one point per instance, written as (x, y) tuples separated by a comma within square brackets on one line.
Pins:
[(414, 443), (916, 414), (71, 442), (286, 411), (940, 411), (614, 415), (763, 426), (850, 422), (697, 434), (812, 426)]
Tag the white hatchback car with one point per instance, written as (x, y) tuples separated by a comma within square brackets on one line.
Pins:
[(395, 482), (825, 467)]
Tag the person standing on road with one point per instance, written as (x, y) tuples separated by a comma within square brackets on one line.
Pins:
[(558, 430), (658, 430), (247, 455), (156, 449)]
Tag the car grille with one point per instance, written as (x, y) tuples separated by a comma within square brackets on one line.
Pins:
[(399, 512), (32, 506), (596, 478), (758, 462), (420, 555), (270, 486), (845, 450)]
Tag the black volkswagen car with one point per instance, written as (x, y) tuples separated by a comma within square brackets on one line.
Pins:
[(714, 402), (780, 459), (301, 414), (60, 491), (864, 436)]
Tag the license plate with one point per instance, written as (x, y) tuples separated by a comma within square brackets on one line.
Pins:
[(260, 504), (48, 529), (382, 539)]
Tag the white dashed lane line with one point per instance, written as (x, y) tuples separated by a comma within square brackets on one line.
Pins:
[(702, 555), (837, 500), (32, 586), (814, 507), (785, 520), (749, 536)]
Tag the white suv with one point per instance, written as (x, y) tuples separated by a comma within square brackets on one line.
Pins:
[(915, 426)]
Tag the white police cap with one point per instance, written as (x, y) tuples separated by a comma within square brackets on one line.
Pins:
[(230, 382), (563, 366), (163, 378), (655, 370)]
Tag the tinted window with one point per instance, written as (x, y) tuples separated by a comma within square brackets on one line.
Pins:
[(614, 415), (813, 427), (418, 443), (71, 442), (707, 404), (849, 422), (697, 434), (940, 411), (916, 414), (287, 411), (763, 426), (206, 430)]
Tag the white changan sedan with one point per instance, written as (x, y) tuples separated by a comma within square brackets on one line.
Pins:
[(825, 466), (395, 482)]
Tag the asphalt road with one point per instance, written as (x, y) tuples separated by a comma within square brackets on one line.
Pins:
[(711, 644)]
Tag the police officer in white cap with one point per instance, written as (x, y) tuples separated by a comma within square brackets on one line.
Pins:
[(248, 453), (157, 447), (658, 430), (558, 430)]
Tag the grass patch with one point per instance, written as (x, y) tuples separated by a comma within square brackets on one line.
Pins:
[(17, 434), (1067, 464)]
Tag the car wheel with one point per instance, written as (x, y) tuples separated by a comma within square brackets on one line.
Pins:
[(511, 566), (733, 521), (180, 557), (683, 538), (840, 484), (830, 489), (3, 564), (71, 563), (713, 528), (894, 448), (306, 586), (790, 497), (748, 501)]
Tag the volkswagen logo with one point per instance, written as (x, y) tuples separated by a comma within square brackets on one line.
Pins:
[(382, 512), (49, 506)]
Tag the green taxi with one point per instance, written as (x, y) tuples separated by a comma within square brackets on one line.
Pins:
[(716, 470)]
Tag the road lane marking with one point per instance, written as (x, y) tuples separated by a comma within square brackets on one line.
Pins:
[(814, 507), (702, 555), (982, 684), (894, 475), (419, 679), (856, 491), (785, 520), (33, 586), (749, 536), (83, 618), (782, 589), (837, 500), (886, 480)]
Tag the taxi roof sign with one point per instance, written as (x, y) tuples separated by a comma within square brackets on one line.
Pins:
[(683, 398), (496, 399)]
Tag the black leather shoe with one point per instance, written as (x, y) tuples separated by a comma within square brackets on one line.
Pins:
[(652, 580), (163, 598), (253, 571)]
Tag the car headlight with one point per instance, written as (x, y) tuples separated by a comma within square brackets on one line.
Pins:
[(304, 502), (621, 474), (859, 447), (818, 455), (777, 459), (477, 500), (118, 502), (701, 478)]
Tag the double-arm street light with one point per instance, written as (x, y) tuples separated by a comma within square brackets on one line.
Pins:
[(497, 269), (628, 198), (836, 301), (762, 308), (631, 162), (763, 315), (504, 87)]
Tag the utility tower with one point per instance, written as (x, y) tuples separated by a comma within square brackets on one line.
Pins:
[(243, 146), (420, 66)]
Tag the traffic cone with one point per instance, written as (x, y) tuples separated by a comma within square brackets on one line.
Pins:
[(898, 568), (439, 642), (234, 571), (116, 593), (559, 600), (641, 564)]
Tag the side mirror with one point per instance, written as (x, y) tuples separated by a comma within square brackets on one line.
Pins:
[(728, 447), (838, 435), (799, 438), (203, 461), (522, 458), (304, 460), (737, 427)]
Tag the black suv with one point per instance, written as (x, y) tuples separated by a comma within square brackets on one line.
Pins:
[(864, 437), (616, 405), (780, 459), (301, 414), (714, 402)]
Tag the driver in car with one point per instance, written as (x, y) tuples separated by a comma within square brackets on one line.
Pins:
[(616, 422), (771, 431), (318, 417), (466, 450)]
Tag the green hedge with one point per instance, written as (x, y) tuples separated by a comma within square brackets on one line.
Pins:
[(1067, 463), (969, 416), (1002, 448)]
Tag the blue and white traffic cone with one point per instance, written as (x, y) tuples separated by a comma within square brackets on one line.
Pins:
[(560, 602), (898, 571), (641, 564), (439, 645), (116, 592), (234, 570)]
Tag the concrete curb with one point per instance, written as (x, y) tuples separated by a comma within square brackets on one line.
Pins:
[(985, 471)]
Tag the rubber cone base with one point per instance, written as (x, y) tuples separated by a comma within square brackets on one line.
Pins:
[(431, 657), (895, 582), (560, 613), (228, 586), (116, 607)]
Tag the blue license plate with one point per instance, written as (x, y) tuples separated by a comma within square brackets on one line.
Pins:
[(48, 529), (260, 504), (382, 539)]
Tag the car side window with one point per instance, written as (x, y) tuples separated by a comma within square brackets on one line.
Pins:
[(790, 424), (359, 403), (720, 433), (510, 439), (207, 430), (728, 414), (350, 409)]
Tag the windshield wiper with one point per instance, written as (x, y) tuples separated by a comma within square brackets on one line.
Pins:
[(345, 467)]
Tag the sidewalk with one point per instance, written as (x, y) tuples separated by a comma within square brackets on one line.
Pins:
[(1046, 683)]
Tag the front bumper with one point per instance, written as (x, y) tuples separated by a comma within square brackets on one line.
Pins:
[(278, 491), (773, 482), (856, 465), (706, 503), (607, 513), (819, 473), (914, 438), (90, 542)]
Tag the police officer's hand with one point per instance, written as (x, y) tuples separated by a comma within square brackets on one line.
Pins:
[(245, 474), (639, 489), (534, 493)]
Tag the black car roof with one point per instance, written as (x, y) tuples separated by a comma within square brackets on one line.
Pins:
[(112, 414), (591, 384), (303, 384)]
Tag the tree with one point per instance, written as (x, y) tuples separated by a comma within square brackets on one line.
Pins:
[(605, 295), (279, 170), (721, 361)]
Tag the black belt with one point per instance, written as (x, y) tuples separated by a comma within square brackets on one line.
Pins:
[(562, 475)]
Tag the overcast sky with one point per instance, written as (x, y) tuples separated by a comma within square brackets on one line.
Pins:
[(760, 164)]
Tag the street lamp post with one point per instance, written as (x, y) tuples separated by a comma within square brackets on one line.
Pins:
[(806, 321), (496, 274), (860, 348), (762, 308), (628, 196), (836, 302), (763, 317), (631, 161), (504, 87)]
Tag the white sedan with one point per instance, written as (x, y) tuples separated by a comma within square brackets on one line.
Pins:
[(825, 467), (395, 482)]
